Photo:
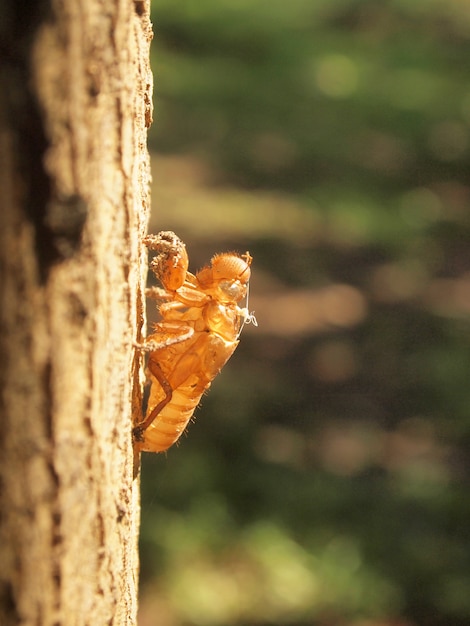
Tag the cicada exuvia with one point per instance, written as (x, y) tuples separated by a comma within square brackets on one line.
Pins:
[(200, 325)]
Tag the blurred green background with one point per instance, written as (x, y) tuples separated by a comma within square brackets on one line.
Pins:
[(325, 481)]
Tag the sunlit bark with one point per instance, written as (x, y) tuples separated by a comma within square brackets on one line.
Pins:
[(75, 105)]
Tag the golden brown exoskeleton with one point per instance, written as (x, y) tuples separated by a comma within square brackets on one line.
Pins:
[(201, 323)]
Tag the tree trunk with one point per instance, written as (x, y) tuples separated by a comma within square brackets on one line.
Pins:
[(75, 104)]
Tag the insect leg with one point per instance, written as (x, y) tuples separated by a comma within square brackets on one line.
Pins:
[(167, 388), (171, 263), (156, 293), (167, 334), (165, 240)]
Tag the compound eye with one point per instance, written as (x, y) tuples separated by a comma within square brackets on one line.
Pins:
[(233, 291)]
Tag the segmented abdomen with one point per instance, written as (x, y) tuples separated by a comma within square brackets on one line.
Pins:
[(189, 368), (172, 420)]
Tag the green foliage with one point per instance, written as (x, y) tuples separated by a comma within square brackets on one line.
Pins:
[(326, 479)]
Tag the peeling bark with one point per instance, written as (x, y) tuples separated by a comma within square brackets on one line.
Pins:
[(75, 104)]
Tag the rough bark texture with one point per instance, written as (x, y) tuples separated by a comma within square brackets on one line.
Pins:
[(75, 104)]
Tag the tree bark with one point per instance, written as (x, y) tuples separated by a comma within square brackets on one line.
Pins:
[(75, 105)]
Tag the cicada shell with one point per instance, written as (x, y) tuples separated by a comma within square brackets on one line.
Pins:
[(199, 329)]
